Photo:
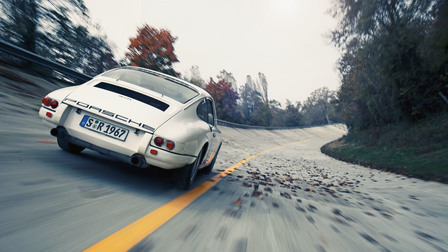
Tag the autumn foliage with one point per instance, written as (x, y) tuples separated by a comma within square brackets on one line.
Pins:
[(153, 48), (225, 98)]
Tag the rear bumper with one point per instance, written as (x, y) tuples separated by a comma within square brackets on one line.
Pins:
[(136, 150), (162, 159)]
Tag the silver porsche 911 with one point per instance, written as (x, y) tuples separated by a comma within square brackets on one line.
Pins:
[(140, 116)]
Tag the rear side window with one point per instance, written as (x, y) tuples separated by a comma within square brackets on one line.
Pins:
[(210, 112), (205, 111), (202, 111)]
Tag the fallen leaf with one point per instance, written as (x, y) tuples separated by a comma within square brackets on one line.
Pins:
[(238, 202)]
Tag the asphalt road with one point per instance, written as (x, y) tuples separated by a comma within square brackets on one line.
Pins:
[(292, 198), (289, 199)]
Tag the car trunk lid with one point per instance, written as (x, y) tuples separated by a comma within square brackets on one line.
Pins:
[(124, 103)]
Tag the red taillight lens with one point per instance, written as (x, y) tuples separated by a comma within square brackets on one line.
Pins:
[(158, 141), (46, 101), (49, 114), (154, 152), (170, 145), (54, 104)]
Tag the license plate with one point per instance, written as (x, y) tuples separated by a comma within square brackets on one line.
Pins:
[(104, 128)]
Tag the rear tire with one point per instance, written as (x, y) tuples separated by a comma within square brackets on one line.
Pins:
[(186, 175), (66, 145), (209, 168)]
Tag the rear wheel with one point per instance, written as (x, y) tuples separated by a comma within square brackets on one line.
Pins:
[(209, 168), (185, 176), (66, 145)]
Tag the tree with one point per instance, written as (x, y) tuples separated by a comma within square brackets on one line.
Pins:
[(262, 84), (385, 66), (45, 27), (153, 48), (254, 101), (292, 116), (262, 115), (99, 57), (21, 22), (228, 77), (250, 98), (277, 113), (194, 76), (75, 47), (320, 107), (225, 99)]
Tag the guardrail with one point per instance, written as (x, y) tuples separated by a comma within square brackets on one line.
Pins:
[(37, 59), (244, 126)]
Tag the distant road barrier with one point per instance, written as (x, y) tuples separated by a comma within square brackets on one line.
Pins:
[(244, 126)]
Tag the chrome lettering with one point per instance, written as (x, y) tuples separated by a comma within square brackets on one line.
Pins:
[(108, 113), (130, 121), (122, 118), (95, 108), (147, 127), (70, 100), (82, 104)]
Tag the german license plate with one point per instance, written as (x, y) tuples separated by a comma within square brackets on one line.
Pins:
[(104, 128)]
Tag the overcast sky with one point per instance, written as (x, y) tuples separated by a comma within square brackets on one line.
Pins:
[(287, 40)]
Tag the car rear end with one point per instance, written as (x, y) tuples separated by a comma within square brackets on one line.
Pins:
[(115, 118)]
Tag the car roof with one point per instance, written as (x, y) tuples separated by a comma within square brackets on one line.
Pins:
[(201, 91)]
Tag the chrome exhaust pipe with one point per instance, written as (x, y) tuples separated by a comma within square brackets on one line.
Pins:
[(138, 161)]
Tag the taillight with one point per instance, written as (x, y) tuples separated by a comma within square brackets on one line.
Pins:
[(49, 102), (158, 141), (54, 104), (46, 101), (170, 145)]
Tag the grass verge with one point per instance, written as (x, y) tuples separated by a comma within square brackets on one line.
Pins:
[(413, 149)]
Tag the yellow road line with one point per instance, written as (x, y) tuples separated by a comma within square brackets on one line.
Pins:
[(128, 237)]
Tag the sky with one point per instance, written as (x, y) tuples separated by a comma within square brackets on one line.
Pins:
[(287, 40)]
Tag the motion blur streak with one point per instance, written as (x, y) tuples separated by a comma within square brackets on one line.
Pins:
[(47, 141), (128, 237)]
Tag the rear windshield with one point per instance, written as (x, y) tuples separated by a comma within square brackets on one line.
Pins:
[(132, 94), (165, 86)]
